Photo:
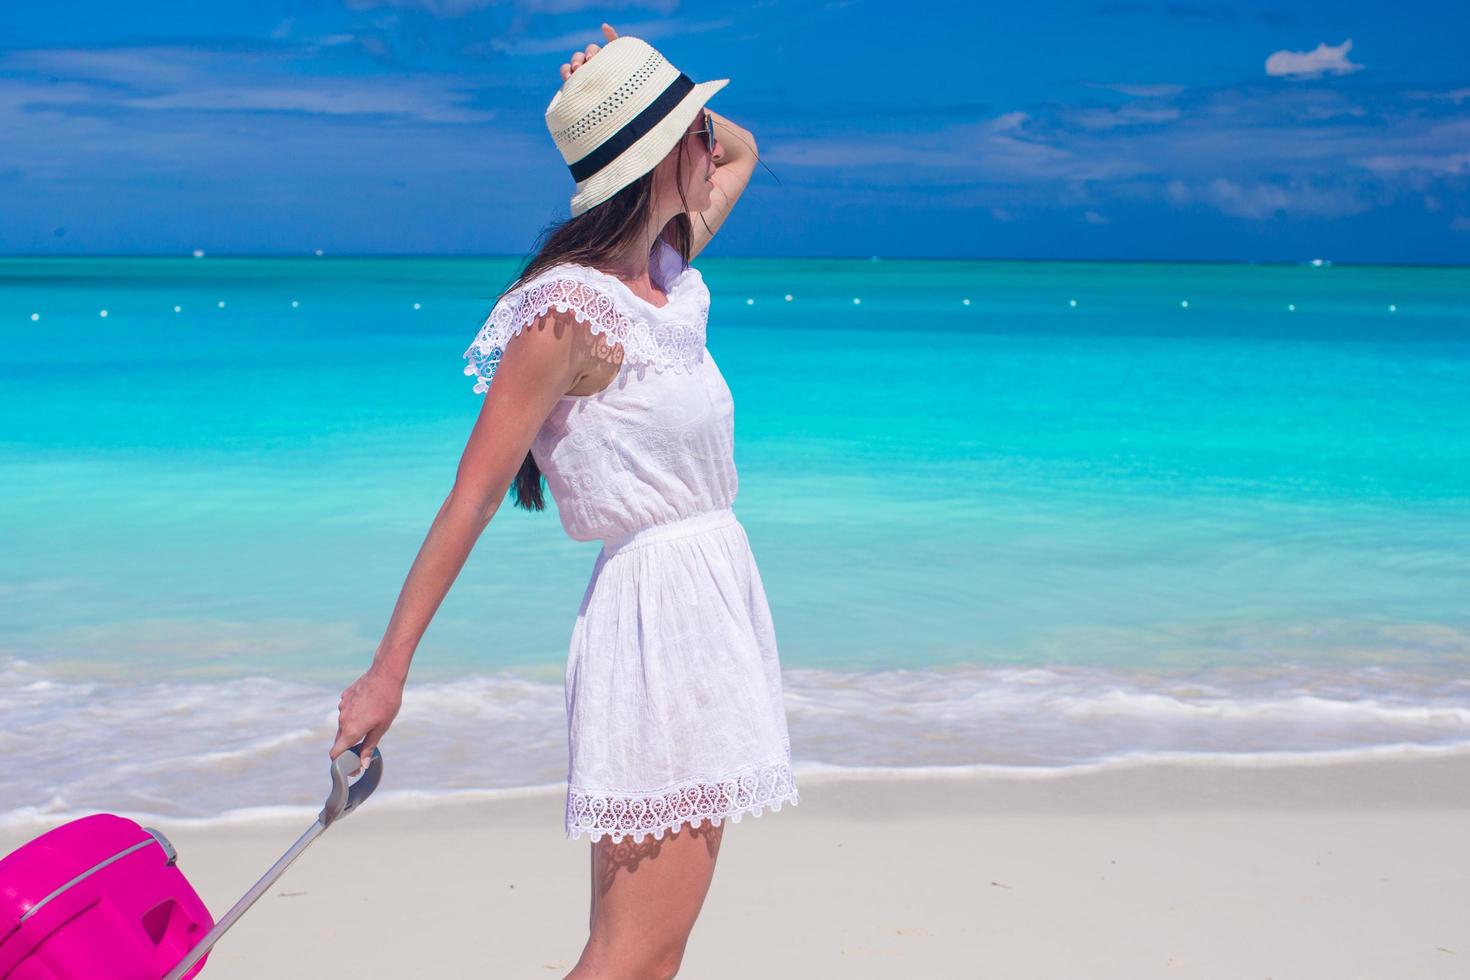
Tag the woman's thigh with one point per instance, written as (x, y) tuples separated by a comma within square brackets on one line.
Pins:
[(646, 896)]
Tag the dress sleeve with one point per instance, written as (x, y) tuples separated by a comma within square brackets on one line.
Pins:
[(524, 305), (674, 339)]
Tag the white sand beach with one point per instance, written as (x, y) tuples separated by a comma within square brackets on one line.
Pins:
[(1328, 870)]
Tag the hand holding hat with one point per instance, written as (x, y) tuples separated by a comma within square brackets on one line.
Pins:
[(580, 58), (614, 122)]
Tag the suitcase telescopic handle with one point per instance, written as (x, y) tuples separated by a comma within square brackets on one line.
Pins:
[(343, 798)]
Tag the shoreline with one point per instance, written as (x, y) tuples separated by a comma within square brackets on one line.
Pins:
[(1326, 870), (22, 822)]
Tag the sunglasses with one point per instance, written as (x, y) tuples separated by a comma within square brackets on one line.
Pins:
[(708, 132)]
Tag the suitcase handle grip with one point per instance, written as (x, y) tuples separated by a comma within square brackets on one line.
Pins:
[(344, 797), (342, 800)]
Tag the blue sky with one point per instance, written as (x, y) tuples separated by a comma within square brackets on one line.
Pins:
[(1109, 129)]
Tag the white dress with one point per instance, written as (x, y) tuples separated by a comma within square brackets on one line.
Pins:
[(673, 684)]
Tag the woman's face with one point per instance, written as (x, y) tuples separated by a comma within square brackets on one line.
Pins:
[(698, 163)]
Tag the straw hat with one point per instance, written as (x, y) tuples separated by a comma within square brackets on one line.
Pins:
[(619, 114)]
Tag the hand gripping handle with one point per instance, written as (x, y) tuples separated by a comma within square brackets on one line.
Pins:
[(344, 798)]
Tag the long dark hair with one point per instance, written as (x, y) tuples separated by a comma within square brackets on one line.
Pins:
[(594, 237)]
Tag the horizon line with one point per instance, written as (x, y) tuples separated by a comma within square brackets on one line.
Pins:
[(1316, 262)]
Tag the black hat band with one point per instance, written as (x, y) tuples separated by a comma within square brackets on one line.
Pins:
[(634, 130)]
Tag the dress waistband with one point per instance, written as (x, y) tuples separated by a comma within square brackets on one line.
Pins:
[(685, 526)]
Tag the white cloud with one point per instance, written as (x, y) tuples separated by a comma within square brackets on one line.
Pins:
[(1131, 114), (1317, 113), (427, 102), (1261, 200), (1093, 218), (565, 44), (1312, 64), (1460, 223), (1008, 121), (150, 65), (1001, 149), (1252, 152), (1455, 95), (436, 8), (1161, 90), (1434, 163), (571, 6), (17, 96), (164, 78), (459, 8)]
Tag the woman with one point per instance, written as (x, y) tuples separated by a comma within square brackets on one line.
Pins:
[(602, 382)]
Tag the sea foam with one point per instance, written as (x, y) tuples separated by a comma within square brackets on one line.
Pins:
[(256, 747)]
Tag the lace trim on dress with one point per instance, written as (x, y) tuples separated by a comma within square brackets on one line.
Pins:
[(619, 816), (675, 342)]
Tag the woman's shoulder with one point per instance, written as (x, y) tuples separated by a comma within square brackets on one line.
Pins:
[(661, 335)]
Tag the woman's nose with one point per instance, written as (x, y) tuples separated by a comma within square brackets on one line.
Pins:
[(719, 152)]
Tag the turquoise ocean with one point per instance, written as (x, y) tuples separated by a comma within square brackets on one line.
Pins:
[(1016, 517)]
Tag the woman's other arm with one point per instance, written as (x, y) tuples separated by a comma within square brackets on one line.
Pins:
[(733, 168), (537, 367)]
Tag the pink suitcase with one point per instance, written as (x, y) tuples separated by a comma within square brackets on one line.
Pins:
[(102, 898)]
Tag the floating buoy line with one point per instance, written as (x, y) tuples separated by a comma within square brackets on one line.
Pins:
[(199, 253), (749, 301)]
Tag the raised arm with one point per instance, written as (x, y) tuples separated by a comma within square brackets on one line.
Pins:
[(537, 367), (734, 163), (735, 159)]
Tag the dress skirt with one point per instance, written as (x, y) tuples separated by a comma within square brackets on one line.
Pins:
[(673, 685)]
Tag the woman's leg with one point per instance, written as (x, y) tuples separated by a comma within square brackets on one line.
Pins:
[(645, 898)]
